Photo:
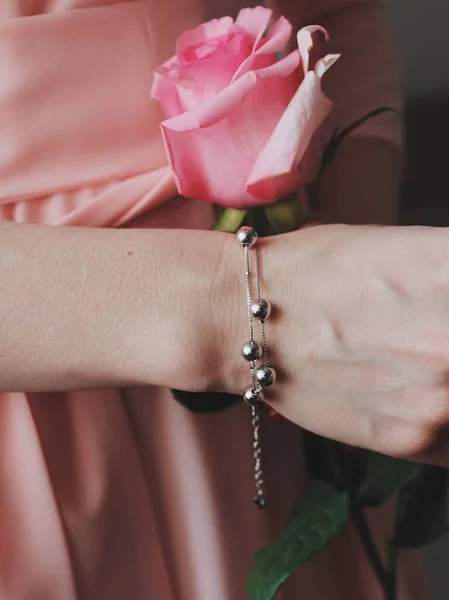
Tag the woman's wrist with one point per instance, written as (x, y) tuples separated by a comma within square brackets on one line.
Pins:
[(196, 315), (220, 324), (277, 257)]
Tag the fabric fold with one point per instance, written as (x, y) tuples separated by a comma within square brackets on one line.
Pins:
[(80, 142)]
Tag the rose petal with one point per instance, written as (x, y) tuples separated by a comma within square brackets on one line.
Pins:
[(199, 82), (164, 90), (204, 32), (325, 63), (230, 44), (254, 21), (191, 140), (274, 42), (213, 148), (216, 108), (277, 38), (192, 83), (275, 172), (305, 39)]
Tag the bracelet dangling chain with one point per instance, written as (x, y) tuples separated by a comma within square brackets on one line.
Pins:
[(262, 375)]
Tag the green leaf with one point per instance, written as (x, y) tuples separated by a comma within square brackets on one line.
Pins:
[(231, 219), (287, 214), (382, 477), (322, 514), (337, 138), (422, 510)]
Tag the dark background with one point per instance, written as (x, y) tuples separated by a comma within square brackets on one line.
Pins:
[(421, 28), (425, 201), (425, 197)]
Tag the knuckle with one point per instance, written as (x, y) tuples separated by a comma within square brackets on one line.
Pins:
[(413, 442), (420, 434), (431, 411), (400, 439)]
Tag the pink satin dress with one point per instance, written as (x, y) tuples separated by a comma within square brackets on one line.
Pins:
[(121, 494)]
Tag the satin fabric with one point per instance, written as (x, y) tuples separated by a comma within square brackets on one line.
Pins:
[(122, 493)]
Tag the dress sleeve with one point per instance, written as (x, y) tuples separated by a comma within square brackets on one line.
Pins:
[(366, 76)]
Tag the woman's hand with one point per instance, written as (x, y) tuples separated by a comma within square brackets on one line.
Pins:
[(360, 335)]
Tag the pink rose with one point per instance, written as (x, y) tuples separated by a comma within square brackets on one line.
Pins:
[(239, 121)]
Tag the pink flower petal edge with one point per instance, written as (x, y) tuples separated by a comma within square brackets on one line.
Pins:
[(305, 40), (276, 170), (254, 21), (203, 32), (216, 109), (275, 42)]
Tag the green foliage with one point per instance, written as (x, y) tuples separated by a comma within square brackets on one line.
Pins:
[(230, 220), (422, 509), (321, 514), (382, 477), (354, 479), (287, 214)]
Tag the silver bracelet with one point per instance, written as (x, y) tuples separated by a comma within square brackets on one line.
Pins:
[(262, 375)]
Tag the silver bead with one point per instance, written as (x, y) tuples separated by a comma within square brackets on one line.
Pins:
[(247, 236), (251, 351), (260, 309), (253, 395), (265, 375)]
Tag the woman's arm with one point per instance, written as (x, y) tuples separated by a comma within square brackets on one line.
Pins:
[(359, 334), (93, 308), (361, 186)]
